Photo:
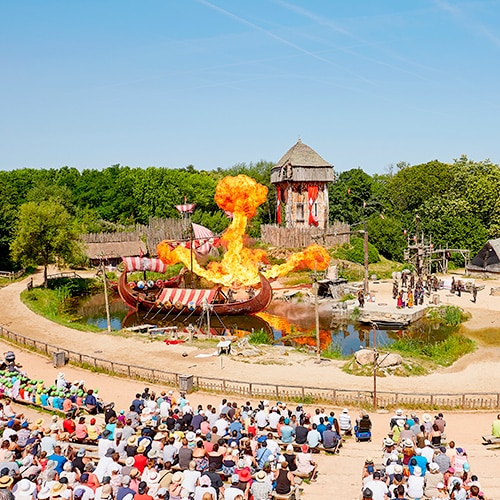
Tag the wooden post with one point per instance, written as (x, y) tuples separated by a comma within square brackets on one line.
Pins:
[(106, 300)]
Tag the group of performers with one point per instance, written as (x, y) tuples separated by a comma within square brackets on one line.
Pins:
[(412, 292)]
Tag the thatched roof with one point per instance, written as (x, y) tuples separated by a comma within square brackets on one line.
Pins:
[(302, 163), (487, 259), (114, 249)]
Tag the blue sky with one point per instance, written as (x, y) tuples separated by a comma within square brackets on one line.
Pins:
[(214, 83)]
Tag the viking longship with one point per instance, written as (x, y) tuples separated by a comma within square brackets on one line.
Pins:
[(167, 296)]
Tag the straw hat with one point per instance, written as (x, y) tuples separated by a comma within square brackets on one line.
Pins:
[(260, 476), (426, 417), (132, 440), (134, 472), (39, 422), (57, 490), (141, 449), (177, 477)]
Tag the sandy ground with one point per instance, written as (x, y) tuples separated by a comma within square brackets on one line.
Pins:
[(341, 474)]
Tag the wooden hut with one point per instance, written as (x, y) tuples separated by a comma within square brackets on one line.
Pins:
[(301, 178), (113, 251)]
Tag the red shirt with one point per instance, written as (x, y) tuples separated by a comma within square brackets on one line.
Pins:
[(69, 425), (140, 462), (144, 496)]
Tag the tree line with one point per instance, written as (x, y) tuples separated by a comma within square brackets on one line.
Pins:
[(456, 204)]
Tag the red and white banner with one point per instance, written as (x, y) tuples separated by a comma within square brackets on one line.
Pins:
[(312, 194), (278, 206)]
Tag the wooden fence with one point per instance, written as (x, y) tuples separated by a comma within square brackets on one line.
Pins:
[(156, 231), (306, 394), (302, 237), (11, 275)]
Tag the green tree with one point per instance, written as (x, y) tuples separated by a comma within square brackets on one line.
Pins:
[(411, 187), (347, 196), (44, 235), (387, 235)]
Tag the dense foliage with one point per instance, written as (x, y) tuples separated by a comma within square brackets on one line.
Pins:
[(456, 204)]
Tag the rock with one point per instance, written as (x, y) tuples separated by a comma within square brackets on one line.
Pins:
[(366, 357), (392, 359)]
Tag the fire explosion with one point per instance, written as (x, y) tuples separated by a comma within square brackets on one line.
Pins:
[(241, 196)]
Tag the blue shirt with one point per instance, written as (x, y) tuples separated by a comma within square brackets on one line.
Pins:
[(287, 433), (60, 460)]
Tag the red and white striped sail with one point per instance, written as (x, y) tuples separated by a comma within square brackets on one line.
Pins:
[(144, 264), (187, 297), (203, 240)]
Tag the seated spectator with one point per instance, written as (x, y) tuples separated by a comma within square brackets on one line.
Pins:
[(284, 478)]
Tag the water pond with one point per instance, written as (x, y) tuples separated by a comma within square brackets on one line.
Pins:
[(291, 324)]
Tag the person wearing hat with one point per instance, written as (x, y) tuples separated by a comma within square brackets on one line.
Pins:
[(58, 490), (175, 488), (205, 489), (104, 463), (215, 479), (23, 435), (6, 482), (191, 477), (261, 489), (142, 492), (345, 422), (432, 479), (306, 466), (367, 494), (427, 422), (416, 483), (10, 464), (442, 459), (104, 443), (124, 492), (232, 491)]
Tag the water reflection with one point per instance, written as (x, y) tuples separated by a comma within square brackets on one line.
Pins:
[(286, 323)]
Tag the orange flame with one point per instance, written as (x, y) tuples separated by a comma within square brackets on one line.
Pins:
[(241, 196)]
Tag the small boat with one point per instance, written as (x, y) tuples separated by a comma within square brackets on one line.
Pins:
[(167, 297)]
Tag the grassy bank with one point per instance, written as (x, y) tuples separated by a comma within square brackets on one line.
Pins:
[(419, 357), (55, 305)]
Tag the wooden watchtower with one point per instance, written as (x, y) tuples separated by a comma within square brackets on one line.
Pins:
[(301, 178)]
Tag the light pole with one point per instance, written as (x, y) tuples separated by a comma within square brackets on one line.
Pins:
[(375, 362)]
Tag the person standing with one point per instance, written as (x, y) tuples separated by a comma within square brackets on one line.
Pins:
[(474, 293), (361, 298)]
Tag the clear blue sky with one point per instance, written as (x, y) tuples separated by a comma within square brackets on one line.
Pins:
[(213, 83)]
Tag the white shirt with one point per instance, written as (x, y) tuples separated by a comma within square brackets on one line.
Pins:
[(273, 447), (379, 488), (274, 418), (261, 418), (164, 408)]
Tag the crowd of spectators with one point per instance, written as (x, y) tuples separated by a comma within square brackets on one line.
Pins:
[(419, 461), (164, 447)]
